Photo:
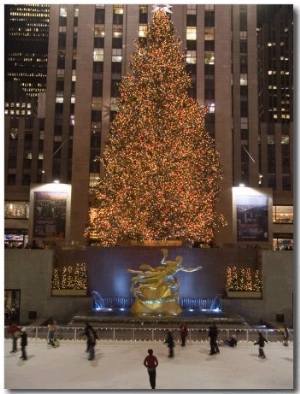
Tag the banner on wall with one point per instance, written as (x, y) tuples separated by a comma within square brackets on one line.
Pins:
[(49, 214), (252, 217)]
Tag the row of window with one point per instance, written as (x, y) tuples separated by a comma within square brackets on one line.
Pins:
[(20, 210)]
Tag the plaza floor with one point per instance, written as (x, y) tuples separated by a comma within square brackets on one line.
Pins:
[(118, 365)]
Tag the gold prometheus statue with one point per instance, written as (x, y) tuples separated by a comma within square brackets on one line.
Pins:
[(157, 289)]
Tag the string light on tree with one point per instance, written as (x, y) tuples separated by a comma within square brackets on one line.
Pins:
[(162, 172)]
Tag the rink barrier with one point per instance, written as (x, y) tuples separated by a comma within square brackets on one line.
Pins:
[(154, 334)]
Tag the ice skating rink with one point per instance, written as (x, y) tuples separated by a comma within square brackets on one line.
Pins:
[(119, 366)]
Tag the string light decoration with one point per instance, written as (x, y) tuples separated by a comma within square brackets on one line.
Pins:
[(244, 279), (162, 172), (70, 278)]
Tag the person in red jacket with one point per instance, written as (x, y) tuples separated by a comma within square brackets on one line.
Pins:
[(151, 363), (15, 332)]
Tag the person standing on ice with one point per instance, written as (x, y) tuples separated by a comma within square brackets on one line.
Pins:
[(151, 363), (170, 342), (261, 343), (23, 343), (15, 332), (91, 335), (51, 331), (183, 333), (213, 337)]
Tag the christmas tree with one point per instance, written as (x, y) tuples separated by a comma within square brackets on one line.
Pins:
[(162, 172)]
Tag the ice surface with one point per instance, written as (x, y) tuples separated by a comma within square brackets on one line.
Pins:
[(119, 365)]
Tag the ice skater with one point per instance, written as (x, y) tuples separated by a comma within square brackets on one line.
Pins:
[(170, 342), (183, 333), (151, 363), (92, 336), (15, 332), (23, 343), (213, 337), (286, 336), (261, 343), (51, 332)]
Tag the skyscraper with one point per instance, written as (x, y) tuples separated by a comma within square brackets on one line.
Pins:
[(26, 46)]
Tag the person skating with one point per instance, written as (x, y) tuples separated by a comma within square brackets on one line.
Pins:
[(213, 336), (92, 336), (15, 332), (51, 331), (151, 363), (286, 336), (170, 342), (261, 343), (23, 343), (183, 333)]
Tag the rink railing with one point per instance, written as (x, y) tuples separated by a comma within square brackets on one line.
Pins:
[(154, 334)]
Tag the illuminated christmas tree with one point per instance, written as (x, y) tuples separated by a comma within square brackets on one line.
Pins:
[(162, 171)]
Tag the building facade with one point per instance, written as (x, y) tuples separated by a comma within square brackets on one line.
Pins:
[(89, 51)]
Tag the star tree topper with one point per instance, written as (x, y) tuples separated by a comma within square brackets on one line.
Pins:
[(163, 7)]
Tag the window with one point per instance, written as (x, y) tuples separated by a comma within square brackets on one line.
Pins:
[(209, 57), (98, 67), (16, 210), (98, 54), (115, 88), (143, 17), (62, 40), (283, 214), (118, 15), (191, 20), (97, 88), (99, 15), (98, 42), (142, 30), (191, 57), (191, 33)]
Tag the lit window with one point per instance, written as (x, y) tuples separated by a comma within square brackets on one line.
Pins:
[(142, 30), (243, 79), (209, 57), (270, 139), (97, 103), (116, 59), (211, 106), (118, 9), (99, 31), (283, 214), (63, 12), (98, 55), (191, 33), (191, 57), (209, 34), (16, 210), (117, 31)]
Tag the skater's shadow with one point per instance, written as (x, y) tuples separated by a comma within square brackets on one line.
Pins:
[(22, 362), (94, 363), (287, 359)]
